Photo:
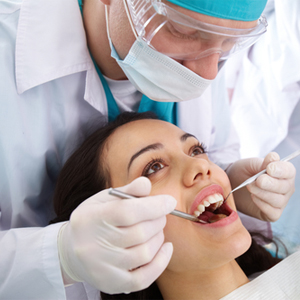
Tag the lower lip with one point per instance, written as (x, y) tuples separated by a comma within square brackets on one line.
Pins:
[(233, 216)]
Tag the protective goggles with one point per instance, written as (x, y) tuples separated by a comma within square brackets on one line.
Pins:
[(184, 38)]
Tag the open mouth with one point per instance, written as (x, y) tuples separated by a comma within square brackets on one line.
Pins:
[(212, 209)]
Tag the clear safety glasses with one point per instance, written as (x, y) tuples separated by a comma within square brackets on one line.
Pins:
[(184, 38)]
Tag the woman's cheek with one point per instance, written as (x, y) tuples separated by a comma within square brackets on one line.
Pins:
[(177, 232), (170, 228)]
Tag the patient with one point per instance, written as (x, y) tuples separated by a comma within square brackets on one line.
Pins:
[(203, 265)]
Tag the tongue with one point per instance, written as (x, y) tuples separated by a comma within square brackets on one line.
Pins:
[(216, 218), (210, 217)]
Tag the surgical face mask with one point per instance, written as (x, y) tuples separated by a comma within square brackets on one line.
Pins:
[(158, 76)]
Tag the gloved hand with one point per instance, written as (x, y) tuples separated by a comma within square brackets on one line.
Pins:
[(269, 193), (117, 245)]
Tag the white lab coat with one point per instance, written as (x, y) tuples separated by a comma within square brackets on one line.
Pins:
[(265, 103), (50, 96)]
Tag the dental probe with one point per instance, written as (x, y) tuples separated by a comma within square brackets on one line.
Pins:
[(175, 212), (253, 178)]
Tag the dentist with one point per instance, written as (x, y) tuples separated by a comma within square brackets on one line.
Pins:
[(65, 72)]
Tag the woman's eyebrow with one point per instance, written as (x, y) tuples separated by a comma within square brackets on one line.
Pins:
[(185, 136), (147, 148)]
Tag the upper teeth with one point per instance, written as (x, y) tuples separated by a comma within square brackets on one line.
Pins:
[(215, 198)]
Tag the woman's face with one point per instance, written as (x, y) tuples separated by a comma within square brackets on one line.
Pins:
[(176, 164)]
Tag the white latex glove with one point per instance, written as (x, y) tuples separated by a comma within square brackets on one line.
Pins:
[(268, 195), (117, 245)]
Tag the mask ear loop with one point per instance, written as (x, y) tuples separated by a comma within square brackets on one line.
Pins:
[(106, 22), (129, 19)]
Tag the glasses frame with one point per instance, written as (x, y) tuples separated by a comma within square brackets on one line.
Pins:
[(142, 12)]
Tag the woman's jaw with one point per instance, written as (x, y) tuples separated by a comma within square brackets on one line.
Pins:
[(203, 264), (202, 247)]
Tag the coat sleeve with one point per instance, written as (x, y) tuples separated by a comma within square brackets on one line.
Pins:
[(29, 264)]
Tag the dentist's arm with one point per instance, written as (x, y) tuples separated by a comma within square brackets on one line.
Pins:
[(117, 245), (266, 197)]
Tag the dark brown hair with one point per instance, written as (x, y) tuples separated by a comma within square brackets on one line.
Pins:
[(84, 175)]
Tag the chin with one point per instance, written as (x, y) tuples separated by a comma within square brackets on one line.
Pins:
[(242, 243), (237, 247)]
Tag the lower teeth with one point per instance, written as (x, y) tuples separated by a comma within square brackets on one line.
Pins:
[(216, 218)]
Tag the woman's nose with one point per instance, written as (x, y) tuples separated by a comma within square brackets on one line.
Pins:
[(195, 170), (206, 67)]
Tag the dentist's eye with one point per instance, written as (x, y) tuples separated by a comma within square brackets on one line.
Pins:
[(181, 31), (197, 150), (153, 166)]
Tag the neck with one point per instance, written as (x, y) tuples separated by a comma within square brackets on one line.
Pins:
[(208, 285), (97, 39)]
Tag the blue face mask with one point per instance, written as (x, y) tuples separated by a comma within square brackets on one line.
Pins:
[(158, 76)]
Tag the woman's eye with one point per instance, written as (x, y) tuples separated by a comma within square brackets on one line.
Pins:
[(153, 168), (197, 151)]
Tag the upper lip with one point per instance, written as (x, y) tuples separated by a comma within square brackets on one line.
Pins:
[(209, 190)]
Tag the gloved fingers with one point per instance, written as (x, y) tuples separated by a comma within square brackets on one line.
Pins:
[(140, 187), (253, 165), (270, 213), (271, 195), (281, 170), (268, 183), (127, 212), (121, 264), (270, 157), (273, 199), (129, 236), (144, 276), (142, 254)]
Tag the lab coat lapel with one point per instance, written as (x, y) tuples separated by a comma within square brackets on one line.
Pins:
[(51, 43), (44, 42)]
